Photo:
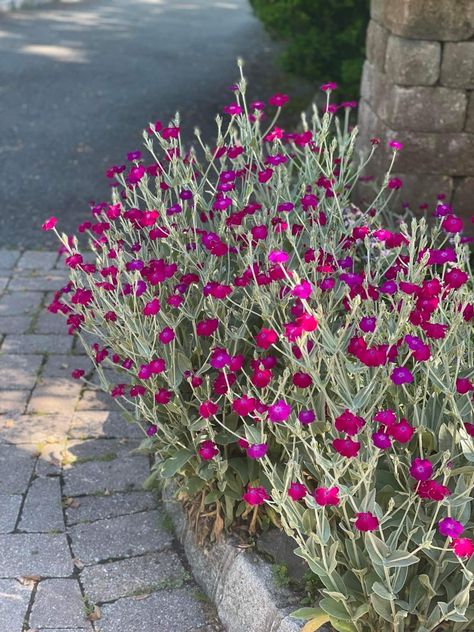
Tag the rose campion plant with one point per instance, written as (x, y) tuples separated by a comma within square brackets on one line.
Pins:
[(291, 357)]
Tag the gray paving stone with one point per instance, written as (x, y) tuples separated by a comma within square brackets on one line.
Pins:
[(16, 467), (35, 554), (36, 343), (58, 603), (124, 536), (21, 429), (14, 324), (96, 400), (99, 507), (19, 303), (36, 260), (172, 611), (42, 511), (9, 508), (52, 458), (3, 282), (137, 575), (14, 600), (54, 395), (37, 282), (87, 626), (103, 424), (102, 449), (13, 402), (8, 258), (18, 372), (62, 365), (121, 474), (48, 323)]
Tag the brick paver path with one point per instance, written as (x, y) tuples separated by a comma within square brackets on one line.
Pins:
[(79, 538)]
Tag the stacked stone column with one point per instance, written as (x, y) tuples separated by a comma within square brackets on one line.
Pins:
[(418, 88)]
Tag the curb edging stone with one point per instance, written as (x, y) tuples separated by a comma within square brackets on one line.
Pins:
[(239, 583)]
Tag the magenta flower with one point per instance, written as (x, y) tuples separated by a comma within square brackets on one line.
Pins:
[(207, 327), (278, 256), (326, 496), (401, 375), (257, 450), (349, 423), (244, 405), (151, 430), (207, 450), (421, 469), (303, 290), (302, 380), (450, 528), (208, 409), (233, 109), (368, 324), (395, 144), (266, 338), (463, 385), (279, 412), (49, 224), (452, 224), (255, 495), (402, 431), (278, 100), (395, 183), (346, 447), (145, 372), (431, 490), (77, 374), (463, 547), (306, 417), (297, 491), (385, 417), (381, 440), (166, 335), (328, 87), (366, 521), (152, 308)]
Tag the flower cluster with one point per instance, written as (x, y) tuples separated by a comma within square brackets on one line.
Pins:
[(282, 348)]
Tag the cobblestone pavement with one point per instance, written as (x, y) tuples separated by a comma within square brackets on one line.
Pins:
[(82, 546)]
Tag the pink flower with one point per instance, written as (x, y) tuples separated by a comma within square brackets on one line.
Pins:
[(207, 450), (303, 290), (297, 491), (385, 417), (278, 100), (450, 528), (233, 109), (366, 521), (77, 374), (306, 417), (257, 450), (152, 307), (463, 385), (463, 547), (244, 405), (266, 338), (421, 469), (455, 277), (346, 447), (278, 256), (166, 335), (328, 87), (394, 144), (255, 495), (208, 409), (302, 380), (349, 423), (368, 324), (401, 375), (402, 431), (395, 183), (381, 440), (326, 496), (431, 490), (452, 224), (279, 412), (207, 327), (49, 224)]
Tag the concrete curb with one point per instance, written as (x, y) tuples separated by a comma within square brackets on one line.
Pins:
[(239, 582)]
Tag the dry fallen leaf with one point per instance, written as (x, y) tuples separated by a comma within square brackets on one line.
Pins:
[(28, 580), (9, 423), (78, 563), (95, 614)]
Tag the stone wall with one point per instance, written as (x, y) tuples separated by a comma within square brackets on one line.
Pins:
[(418, 88)]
